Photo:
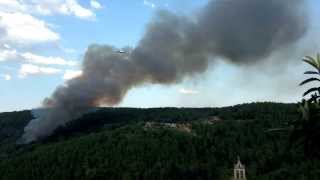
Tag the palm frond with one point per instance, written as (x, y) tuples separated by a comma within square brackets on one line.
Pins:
[(312, 72), (310, 91), (309, 80), (312, 61)]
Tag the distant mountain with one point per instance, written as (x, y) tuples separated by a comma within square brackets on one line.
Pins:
[(159, 143)]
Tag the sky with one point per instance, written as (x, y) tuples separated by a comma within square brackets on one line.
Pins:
[(42, 43)]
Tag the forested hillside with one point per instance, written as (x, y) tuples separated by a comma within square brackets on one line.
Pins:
[(160, 143)]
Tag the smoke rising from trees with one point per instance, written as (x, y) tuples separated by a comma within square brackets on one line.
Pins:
[(174, 47)]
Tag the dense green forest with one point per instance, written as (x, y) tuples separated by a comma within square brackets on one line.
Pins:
[(161, 143)]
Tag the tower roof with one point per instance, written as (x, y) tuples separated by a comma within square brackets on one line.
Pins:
[(239, 165)]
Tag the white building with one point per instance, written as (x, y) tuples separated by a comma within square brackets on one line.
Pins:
[(239, 171)]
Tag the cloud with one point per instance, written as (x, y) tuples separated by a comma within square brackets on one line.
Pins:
[(49, 7), (68, 50), (7, 54), (6, 77), (7, 46), (33, 58), (149, 3), (188, 91), (95, 4), (25, 29), (11, 5), (21, 26), (30, 69), (72, 7), (70, 74)]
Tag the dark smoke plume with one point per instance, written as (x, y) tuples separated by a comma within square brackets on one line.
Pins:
[(173, 48)]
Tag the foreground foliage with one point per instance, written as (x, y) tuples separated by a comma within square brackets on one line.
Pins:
[(306, 132)]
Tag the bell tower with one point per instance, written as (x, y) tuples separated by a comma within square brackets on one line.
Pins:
[(239, 171)]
